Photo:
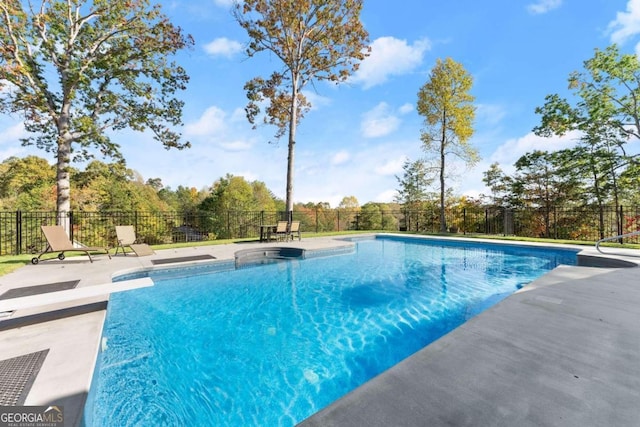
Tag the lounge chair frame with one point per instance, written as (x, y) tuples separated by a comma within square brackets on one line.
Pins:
[(58, 241), (126, 236), (294, 229), (282, 230)]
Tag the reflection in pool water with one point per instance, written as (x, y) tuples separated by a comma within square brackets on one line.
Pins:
[(271, 345)]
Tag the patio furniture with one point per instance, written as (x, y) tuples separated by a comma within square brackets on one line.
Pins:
[(126, 236), (265, 232), (58, 241), (295, 229), (281, 232)]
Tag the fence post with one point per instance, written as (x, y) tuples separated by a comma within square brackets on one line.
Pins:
[(620, 224), (464, 221), (317, 227), (505, 221), (71, 225), (338, 216), (18, 250), (486, 221)]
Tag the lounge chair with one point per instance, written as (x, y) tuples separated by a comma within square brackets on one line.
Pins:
[(126, 236), (295, 229), (58, 241), (281, 231)]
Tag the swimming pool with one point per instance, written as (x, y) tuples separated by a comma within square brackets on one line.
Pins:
[(273, 344)]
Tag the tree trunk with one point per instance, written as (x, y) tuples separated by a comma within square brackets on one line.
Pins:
[(63, 199), (599, 199), (616, 199), (443, 219), (290, 157)]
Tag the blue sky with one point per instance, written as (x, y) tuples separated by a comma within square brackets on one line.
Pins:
[(358, 134)]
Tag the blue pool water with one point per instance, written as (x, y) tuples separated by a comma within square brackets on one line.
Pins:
[(270, 345)]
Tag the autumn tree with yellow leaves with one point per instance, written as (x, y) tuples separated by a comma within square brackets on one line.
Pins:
[(448, 111)]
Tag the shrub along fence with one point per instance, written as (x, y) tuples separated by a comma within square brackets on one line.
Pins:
[(20, 230)]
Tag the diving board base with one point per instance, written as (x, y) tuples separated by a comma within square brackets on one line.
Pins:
[(70, 295)]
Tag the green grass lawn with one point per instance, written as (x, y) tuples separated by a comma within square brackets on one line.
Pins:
[(9, 263)]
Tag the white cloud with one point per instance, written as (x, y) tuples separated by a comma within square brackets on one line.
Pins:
[(211, 122), (467, 181), (406, 108), (238, 115), (470, 183), (543, 6), (340, 157), (214, 127), (387, 196), (626, 24), (368, 175), (224, 3), (378, 122), (12, 134), (238, 145), (223, 47), (490, 114), (316, 100), (509, 152), (392, 166), (390, 57), (248, 175)]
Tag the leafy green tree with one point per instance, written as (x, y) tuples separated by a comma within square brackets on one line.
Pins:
[(347, 210), (605, 112), (541, 181), (230, 193), (113, 187), (349, 203), (263, 197), (155, 183), (316, 216), (233, 193), (630, 182), (316, 40), (448, 110), (27, 184), (501, 186), (605, 96), (79, 68), (376, 216), (413, 184), (184, 199)]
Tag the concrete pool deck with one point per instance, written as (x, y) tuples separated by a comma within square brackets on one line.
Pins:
[(565, 350)]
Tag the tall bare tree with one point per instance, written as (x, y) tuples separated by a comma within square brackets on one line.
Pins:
[(315, 40), (75, 69), (448, 110)]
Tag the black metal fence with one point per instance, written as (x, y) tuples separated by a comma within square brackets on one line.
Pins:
[(20, 230)]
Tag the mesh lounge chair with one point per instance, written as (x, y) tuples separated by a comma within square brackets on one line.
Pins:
[(281, 230), (295, 229), (126, 236), (58, 241)]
